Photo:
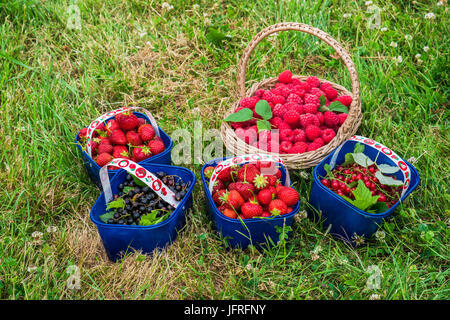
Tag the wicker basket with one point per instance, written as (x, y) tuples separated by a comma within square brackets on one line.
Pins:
[(348, 128)]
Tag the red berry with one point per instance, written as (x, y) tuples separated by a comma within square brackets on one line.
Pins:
[(285, 77)]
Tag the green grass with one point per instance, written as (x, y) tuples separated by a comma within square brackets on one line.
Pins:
[(54, 80)]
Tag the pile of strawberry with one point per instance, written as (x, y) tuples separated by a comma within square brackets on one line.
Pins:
[(245, 192), (307, 114), (124, 136)]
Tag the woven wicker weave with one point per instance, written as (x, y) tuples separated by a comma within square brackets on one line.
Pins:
[(348, 128)]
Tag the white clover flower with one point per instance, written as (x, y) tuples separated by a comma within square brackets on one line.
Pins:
[(343, 260), (417, 56), (393, 44), (32, 268), (440, 3), (368, 3), (375, 296), (52, 229), (430, 16), (380, 235), (346, 15), (398, 59), (426, 48), (37, 235), (384, 29), (304, 175), (408, 37), (196, 7), (166, 6), (314, 256), (249, 267)]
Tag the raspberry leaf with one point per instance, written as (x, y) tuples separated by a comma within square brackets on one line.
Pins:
[(240, 116), (322, 100), (263, 109), (263, 125), (337, 107), (387, 180)]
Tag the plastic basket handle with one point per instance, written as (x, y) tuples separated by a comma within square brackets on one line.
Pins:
[(248, 158), (399, 162), (142, 174), (105, 116), (342, 53)]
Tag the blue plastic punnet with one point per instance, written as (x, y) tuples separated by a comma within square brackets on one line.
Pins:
[(240, 233), (343, 219), (120, 239), (93, 168)]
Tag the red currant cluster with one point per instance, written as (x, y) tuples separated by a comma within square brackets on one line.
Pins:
[(345, 178)]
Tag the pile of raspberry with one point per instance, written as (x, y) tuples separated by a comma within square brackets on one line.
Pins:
[(295, 109)]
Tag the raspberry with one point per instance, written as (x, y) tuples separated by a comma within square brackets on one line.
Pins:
[(331, 119), (299, 135), (313, 146), (295, 81), (249, 102), (299, 147), (276, 91), (319, 141), (328, 135), (278, 99), (286, 91), (342, 117), (294, 98), (312, 132), (291, 117), (313, 81), (319, 116), (286, 135), (325, 85), (305, 86), (268, 96), (279, 85), (308, 119), (285, 77), (298, 90), (284, 126), (310, 98), (285, 146), (330, 92), (279, 110), (316, 91), (299, 108), (259, 93), (310, 108), (276, 121), (345, 100)]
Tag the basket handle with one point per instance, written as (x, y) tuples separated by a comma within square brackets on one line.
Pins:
[(142, 174), (343, 54)]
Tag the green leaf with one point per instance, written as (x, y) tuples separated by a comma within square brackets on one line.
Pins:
[(322, 100), (127, 189), (138, 181), (348, 159), (359, 148), (363, 197), (263, 125), (323, 108), (263, 109), (240, 116), (378, 207), (151, 218), (385, 168), (387, 180), (328, 170), (216, 37), (337, 107), (108, 215), (362, 159), (118, 203)]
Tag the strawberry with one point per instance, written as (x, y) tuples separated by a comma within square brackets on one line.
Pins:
[(245, 189), (121, 152), (156, 146), (265, 196), (289, 196), (133, 138), (127, 120), (111, 126), (260, 181), (218, 185), (118, 138), (146, 132), (103, 159), (248, 173), (208, 171), (230, 213), (217, 197), (225, 175), (233, 199), (277, 207), (266, 214), (250, 210), (141, 153), (82, 134), (105, 147)]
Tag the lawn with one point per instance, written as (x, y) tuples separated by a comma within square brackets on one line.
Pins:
[(64, 63)]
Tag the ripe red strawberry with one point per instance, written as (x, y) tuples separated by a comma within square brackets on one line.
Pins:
[(230, 213), (265, 214), (233, 199), (142, 121), (218, 185), (208, 171), (103, 159), (105, 147), (272, 179), (289, 196), (127, 120), (260, 181), (118, 138), (156, 146), (225, 175), (265, 196), (146, 132), (250, 210), (247, 172), (141, 153), (246, 190), (285, 76), (82, 134), (111, 126), (133, 138), (277, 207), (218, 196), (121, 152)]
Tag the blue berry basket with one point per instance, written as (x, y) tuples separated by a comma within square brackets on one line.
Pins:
[(119, 239), (343, 219), (240, 233), (93, 168)]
